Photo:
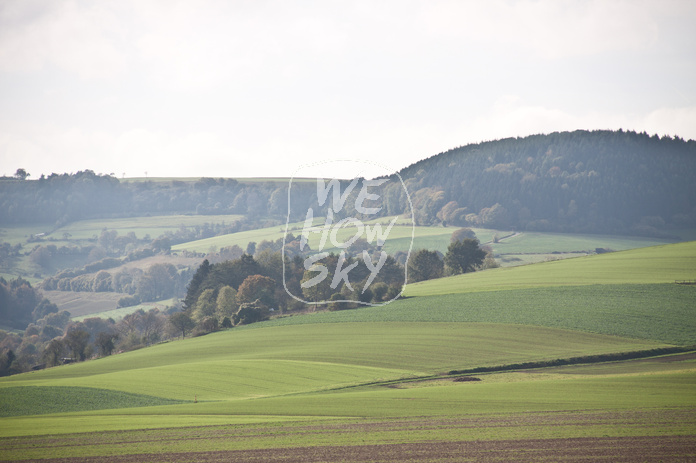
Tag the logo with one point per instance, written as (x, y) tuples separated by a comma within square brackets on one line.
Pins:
[(346, 234)]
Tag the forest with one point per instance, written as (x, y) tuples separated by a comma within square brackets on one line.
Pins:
[(581, 182)]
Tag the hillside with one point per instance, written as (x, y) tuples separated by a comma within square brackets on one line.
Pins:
[(309, 383), (655, 264), (599, 182), (579, 182)]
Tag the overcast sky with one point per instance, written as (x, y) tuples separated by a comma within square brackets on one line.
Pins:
[(259, 88)]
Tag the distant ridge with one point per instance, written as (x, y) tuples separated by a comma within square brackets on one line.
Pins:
[(599, 181)]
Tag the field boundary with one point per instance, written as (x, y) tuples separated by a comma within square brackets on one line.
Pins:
[(685, 282), (586, 359)]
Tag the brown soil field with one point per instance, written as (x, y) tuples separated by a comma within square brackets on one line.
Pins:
[(615, 449), (658, 435), (84, 303)]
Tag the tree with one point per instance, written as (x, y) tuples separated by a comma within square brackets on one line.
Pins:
[(379, 291), (250, 313), (151, 325), (315, 292), (257, 287), (41, 256), (182, 322), (193, 290), (464, 256), (21, 174), (157, 282), (106, 342), (425, 265), (77, 340), (205, 306), (226, 304), (54, 352), (44, 308), (461, 234)]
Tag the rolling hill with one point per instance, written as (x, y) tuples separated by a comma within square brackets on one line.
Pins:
[(378, 375)]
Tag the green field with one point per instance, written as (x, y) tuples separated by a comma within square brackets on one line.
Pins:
[(87, 229), (141, 226), (526, 247), (656, 264), (372, 384)]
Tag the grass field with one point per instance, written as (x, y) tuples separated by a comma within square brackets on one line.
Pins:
[(527, 246), (339, 386), (141, 226), (656, 264)]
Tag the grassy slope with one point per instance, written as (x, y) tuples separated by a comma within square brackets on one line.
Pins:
[(154, 226), (437, 238), (86, 229), (656, 264), (267, 373), (271, 361)]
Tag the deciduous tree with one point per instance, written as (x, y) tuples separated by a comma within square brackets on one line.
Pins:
[(182, 322), (464, 256), (425, 265)]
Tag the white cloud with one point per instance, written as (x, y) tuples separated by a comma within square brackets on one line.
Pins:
[(84, 39), (510, 117), (548, 29)]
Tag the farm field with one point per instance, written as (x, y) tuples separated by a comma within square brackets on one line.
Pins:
[(525, 247), (83, 233), (141, 226), (373, 384), (619, 414), (655, 264), (539, 243), (84, 303), (87, 229)]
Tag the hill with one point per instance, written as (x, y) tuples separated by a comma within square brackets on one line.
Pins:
[(655, 264), (579, 182), (599, 182), (321, 381)]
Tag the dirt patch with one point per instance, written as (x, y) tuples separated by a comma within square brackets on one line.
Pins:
[(84, 303), (615, 449)]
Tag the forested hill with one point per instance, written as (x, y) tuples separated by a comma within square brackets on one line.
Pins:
[(596, 182), (600, 181)]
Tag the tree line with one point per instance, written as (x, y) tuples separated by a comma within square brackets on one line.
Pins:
[(583, 181), (243, 290)]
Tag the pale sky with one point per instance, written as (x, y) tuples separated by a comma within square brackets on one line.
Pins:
[(260, 88)]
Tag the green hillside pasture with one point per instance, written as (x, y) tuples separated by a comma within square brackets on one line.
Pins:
[(289, 359), (657, 264), (241, 239), (33, 400), (551, 407), (14, 234), (522, 248), (660, 312), (141, 226), (499, 397), (540, 243), (399, 238)]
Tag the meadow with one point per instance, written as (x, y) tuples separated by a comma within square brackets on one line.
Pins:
[(373, 382), (655, 264), (523, 246)]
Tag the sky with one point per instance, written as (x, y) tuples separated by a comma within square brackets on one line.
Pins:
[(261, 88)]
